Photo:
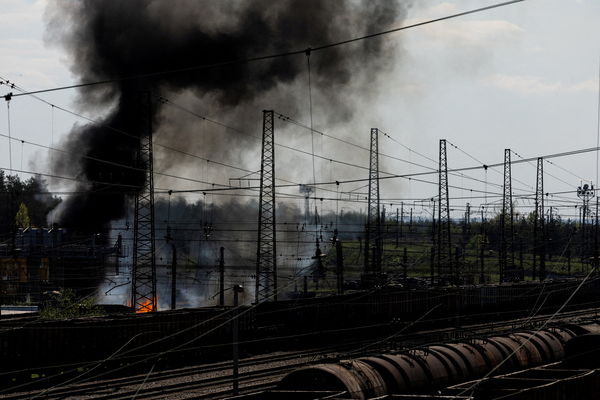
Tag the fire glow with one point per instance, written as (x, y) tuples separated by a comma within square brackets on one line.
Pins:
[(144, 307)]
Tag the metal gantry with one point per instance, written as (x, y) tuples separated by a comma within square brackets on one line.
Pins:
[(143, 293), (266, 253), (373, 245), (539, 223), (444, 245), (506, 221)]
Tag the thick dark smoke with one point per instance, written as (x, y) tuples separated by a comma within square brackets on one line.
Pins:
[(115, 39)]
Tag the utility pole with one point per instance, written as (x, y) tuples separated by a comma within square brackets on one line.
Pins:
[(305, 285), (401, 216), (173, 276), (432, 264), (397, 226), (482, 249), (433, 242), (372, 267), (222, 276), (405, 266), (433, 230), (465, 238), (237, 289), (143, 279), (319, 272), (467, 222), (339, 262), (521, 268), (457, 256), (506, 221), (118, 249), (444, 246), (548, 229), (595, 262), (266, 252), (383, 233), (307, 191)]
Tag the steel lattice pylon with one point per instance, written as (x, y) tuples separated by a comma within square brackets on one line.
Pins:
[(144, 264), (506, 221), (373, 229), (444, 247), (539, 225), (266, 253)]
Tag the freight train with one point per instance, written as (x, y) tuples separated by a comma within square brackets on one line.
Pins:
[(430, 368), (123, 344)]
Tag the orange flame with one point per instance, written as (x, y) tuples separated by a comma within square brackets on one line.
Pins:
[(145, 306)]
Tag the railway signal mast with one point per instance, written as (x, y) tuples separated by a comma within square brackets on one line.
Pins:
[(585, 192)]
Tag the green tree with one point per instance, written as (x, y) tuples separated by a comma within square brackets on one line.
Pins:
[(32, 192), (22, 217)]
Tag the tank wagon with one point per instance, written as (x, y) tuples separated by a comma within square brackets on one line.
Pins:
[(575, 377), (433, 367), (38, 347)]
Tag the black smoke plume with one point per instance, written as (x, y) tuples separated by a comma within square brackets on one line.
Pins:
[(109, 39)]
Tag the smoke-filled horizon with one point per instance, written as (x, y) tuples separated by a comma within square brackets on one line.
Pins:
[(198, 229), (109, 39)]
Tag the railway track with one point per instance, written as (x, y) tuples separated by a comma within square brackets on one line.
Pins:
[(196, 388), (214, 381), (203, 376)]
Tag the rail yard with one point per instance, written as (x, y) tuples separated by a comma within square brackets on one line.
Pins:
[(543, 343), (300, 199)]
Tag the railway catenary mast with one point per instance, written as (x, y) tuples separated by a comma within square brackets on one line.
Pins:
[(372, 259), (266, 252), (539, 223), (444, 246), (506, 221), (143, 279)]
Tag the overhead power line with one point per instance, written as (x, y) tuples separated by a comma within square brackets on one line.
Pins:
[(122, 132), (264, 57), (288, 119), (166, 147), (412, 175)]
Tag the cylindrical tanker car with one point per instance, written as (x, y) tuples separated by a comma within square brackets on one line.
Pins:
[(429, 368)]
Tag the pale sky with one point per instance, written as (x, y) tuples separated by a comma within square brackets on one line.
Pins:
[(523, 77)]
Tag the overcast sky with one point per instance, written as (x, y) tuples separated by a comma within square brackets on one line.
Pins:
[(523, 77)]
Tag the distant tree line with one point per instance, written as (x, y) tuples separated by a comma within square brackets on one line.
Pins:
[(24, 203)]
